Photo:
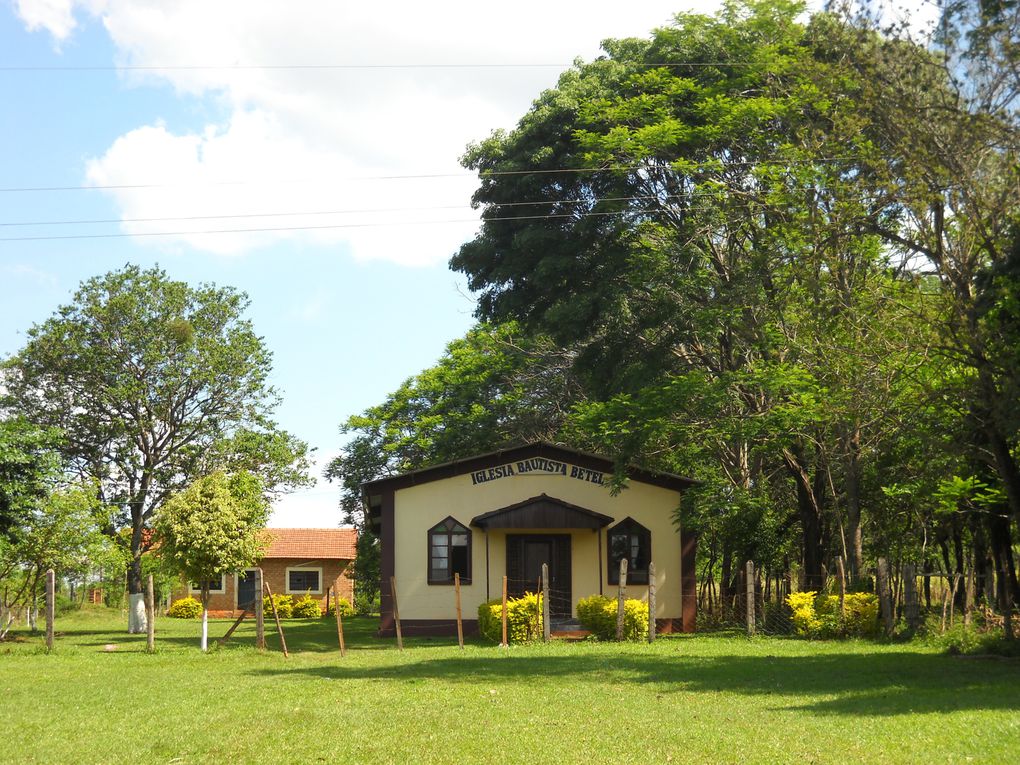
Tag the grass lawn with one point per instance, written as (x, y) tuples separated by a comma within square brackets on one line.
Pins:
[(690, 699)]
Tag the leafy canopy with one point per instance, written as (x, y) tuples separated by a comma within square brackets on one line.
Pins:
[(213, 527), (153, 383)]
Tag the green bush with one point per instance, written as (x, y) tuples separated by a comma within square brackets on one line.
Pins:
[(367, 603), (818, 616), (284, 606), (975, 640), (523, 619), (62, 604), (346, 609), (185, 608), (597, 614), (306, 608)]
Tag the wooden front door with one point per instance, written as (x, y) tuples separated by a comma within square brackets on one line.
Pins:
[(525, 554)]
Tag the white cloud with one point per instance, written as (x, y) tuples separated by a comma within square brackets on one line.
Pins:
[(308, 138), (55, 16)]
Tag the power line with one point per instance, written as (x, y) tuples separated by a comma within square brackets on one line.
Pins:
[(547, 216), (341, 212), (483, 174), (121, 235), (294, 214), (355, 67)]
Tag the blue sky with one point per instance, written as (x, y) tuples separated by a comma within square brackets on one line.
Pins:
[(349, 312)]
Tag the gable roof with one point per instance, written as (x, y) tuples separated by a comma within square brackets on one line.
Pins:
[(312, 544), (541, 512), (525, 451)]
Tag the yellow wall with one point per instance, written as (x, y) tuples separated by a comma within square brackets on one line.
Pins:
[(419, 508)]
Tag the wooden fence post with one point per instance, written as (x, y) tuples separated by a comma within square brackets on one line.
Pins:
[(460, 622), (621, 598), (545, 602), (50, 607), (952, 598), (882, 582), (396, 613), (749, 593), (276, 616), (339, 618), (538, 605), (968, 598), (651, 602), (841, 571), (150, 616), (260, 617), (504, 643)]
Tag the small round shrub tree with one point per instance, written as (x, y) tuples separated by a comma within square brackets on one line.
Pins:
[(212, 528), (185, 608)]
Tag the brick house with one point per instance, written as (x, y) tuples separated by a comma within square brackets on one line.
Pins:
[(298, 561)]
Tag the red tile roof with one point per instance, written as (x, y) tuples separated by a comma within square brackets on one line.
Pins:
[(312, 543)]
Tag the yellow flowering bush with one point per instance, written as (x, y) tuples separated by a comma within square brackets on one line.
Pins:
[(805, 620), (815, 615), (185, 608), (306, 607), (523, 619), (284, 606), (598, 614)]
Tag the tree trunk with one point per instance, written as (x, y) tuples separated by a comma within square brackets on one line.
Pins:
[(205, 617), (961, 594), (927, 584), (981, 564), (810, 514), (136, 598), (1006, 467), (724, 584), (1002, 553), (855, 553), (135, 585)]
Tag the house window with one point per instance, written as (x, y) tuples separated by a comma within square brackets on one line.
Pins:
[(217, 586), (449, 552), (629, 539), (302, 580)]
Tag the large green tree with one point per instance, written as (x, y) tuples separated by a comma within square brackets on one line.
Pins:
[(696, 233), (153, 383)]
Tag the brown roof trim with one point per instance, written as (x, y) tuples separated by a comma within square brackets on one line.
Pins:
[(528, 514), (526, 451)]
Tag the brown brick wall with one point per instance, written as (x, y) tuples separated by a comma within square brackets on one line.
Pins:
[(274, 570)]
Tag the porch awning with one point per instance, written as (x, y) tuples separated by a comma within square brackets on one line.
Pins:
[(541, 512)]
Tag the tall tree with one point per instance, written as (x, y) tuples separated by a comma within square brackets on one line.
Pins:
[(152, 383), (696, 233)]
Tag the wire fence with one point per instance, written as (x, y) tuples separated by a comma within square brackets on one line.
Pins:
[(756, 600)]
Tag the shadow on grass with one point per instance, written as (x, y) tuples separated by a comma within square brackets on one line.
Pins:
[(880, 684)]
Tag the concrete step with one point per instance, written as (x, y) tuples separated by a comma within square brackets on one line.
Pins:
[(568, 635)]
